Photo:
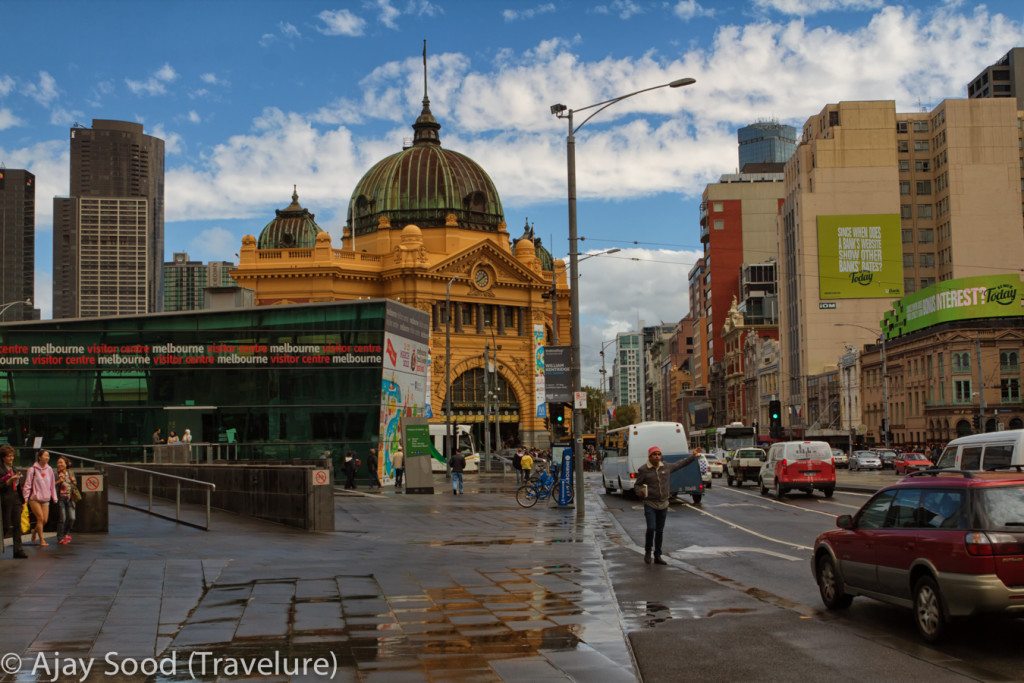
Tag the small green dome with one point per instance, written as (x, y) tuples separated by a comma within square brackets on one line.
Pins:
[(292, 228), (423, 184)]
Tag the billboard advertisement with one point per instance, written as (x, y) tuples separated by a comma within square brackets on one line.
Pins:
[(860, 257), (558, 374), (982, 296), (538, 371)]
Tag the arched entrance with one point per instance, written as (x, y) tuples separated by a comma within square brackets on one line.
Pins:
[(1016, 423), (963, 428), (469, 401), (991, 425)]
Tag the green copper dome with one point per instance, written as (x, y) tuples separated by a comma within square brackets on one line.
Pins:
[(292, 228), (423, 184), (547, 262)]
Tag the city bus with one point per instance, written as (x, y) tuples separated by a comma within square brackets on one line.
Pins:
[(735, 435)]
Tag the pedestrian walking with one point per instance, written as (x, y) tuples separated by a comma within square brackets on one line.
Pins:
[(40, 489), (652, 484), (398, 462), (11, 501), (371, 464), (349, 467), (517, 465), (526, 464), (458, 467), (67, 492)]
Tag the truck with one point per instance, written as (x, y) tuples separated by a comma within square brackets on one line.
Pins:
[(744, 464), (618, 471)]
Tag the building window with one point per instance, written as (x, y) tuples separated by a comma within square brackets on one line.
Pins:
[(920, 126), (905, 209), (920, 145), (833, 118), (909, 285), (908, 260), (901, 126), (719, 224), (908, 236), (926, 260), (922, 166), (961, 361), (961, 390), (924, 187), (904, 165), (927, 282), (1009, 389), (1009, 361), (902, 146), (926, 235), (904, 187), (717, 207), (924, 210)]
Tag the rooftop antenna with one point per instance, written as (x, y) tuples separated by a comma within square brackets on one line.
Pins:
[(425, 98)]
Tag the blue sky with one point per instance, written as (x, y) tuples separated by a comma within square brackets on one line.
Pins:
[(253, 97)]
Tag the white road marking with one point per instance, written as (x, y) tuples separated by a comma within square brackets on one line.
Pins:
[(749, 531), (780, 503), (862, 495), (711, 551)]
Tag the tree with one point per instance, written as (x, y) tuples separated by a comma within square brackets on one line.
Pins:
[(625, 415), (592, 415)]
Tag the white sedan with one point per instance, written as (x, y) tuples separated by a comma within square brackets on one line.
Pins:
[(715, 466)]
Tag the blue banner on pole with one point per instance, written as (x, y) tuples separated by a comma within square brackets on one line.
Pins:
[(565, 478)]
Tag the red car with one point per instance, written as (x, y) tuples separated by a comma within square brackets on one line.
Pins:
[(905, 463), (945, 544)]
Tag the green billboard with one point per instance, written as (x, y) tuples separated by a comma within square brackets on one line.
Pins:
[(982, 296), (860, 257)]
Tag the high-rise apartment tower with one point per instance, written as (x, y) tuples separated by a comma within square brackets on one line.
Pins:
[(108, 235), (17, 243)]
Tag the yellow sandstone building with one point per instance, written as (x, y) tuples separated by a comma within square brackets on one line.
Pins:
[(420, 221)]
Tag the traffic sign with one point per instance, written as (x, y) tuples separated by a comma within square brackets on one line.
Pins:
[(321, 477), (580, 400), (92, 483)]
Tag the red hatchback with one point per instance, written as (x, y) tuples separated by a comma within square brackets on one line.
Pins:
[(905, 463), (945, 544)]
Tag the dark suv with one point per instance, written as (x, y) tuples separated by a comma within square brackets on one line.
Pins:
[(944, 543)]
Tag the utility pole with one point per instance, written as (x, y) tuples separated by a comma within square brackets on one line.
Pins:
[(487, 402), (554, 306), (885, 394)]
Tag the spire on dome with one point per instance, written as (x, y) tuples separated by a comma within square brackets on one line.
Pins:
[(426, 127)]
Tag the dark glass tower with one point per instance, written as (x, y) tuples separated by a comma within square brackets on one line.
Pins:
[(17, 244)]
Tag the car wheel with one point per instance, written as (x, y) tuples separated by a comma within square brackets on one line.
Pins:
[(929, 609), (764, 489), (779, 491), (828, 492), (621, 490), (607, 489), (829, 586), (697, 497)]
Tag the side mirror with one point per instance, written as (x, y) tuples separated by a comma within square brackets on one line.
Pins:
[(844, 522)]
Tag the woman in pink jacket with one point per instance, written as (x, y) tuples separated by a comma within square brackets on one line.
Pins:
[(40, 489)]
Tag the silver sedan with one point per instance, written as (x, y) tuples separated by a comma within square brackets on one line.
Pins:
[(865, 460)]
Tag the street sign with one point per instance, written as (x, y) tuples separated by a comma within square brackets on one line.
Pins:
[(92, 483), (321, 477), (580, 400)]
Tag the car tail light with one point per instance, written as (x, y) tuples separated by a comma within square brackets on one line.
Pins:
[(833, 461), (632, 475), (784, 463), (980, 543)]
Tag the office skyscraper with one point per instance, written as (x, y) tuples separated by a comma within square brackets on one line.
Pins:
[(185, 281), (17, 243), (1005, 78), (765, 142), (108, 235)]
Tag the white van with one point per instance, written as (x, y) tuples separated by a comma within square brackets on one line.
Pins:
[(619, 472), (990, 451)]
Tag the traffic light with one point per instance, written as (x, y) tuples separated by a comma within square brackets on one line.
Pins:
[(775, 419), (976, 421), (567, 420)]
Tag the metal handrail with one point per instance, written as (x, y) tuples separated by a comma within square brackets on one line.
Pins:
[(209, 486)]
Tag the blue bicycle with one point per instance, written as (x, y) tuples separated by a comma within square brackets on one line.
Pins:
[(539, 488)]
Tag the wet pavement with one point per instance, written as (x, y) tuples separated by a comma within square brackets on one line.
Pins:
[(409, 587)]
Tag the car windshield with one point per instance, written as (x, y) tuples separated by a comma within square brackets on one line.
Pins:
[(886, 454), (865, 455), (1001, 508), (749, 453)]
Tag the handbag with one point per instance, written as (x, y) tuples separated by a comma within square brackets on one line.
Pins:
[(76, 494)]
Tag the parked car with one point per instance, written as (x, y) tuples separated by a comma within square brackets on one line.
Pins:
[(989, 451), (841, 458), (946, 544), (802, 465), (744, 464), (906, 463), (865, 460), (887, 456), (715, 466)]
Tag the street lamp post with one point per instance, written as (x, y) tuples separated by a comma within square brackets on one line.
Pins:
[(4, 307), (563, 112), (885, 381)]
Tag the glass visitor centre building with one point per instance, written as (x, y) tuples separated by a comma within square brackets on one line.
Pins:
[(278, 382)]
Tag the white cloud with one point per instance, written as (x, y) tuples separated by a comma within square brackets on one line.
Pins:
[(173, 142), (528, 13), (156, 84), (193, 117), (214, 244), (690, 9), (64, 117), (805, 8), (8, 119), (288, 30), (340, 22), (623, 8), (45, 91), (49, 161), (267, 39), (210, 78), (388, 15), (6, 85)]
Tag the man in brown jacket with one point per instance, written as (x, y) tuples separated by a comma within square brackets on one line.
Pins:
[(652, 484)]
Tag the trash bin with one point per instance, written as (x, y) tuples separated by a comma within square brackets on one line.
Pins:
[(91, 512)]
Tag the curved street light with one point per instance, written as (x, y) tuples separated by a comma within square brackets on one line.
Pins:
[(4, 307), (563, 112), (885, 379)]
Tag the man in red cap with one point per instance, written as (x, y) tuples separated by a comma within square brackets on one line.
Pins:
[(653, 486)]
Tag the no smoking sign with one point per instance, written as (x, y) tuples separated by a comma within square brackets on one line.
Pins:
[(321, 477), (92, 483)]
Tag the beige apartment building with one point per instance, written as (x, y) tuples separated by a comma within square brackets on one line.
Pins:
[(949, 181)]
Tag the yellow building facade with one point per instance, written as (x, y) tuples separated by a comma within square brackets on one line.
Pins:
[(424, 224)]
